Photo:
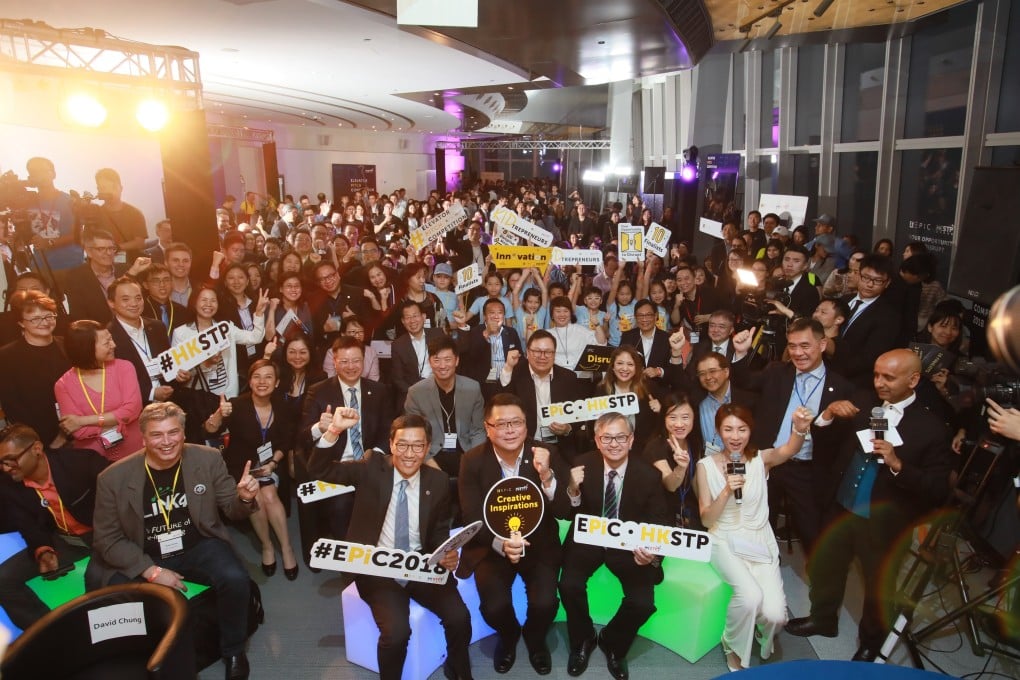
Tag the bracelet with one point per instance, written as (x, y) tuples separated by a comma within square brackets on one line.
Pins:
[(101, 419), (802, 434), (155, 574), (335, 431)]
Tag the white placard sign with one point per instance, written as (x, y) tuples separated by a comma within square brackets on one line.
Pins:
[(657, 539), (456, 541), (657, 239), (512, 222), (588, 409), (382, 348), (504, 237), (437, 226), (356, 558), (117, 621), (469, 277), (316, 490), (710, 227), (582, 257), (194, 350), (631, 239), (778, 204)]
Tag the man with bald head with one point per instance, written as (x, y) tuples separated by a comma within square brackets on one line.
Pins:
[(883, 486)]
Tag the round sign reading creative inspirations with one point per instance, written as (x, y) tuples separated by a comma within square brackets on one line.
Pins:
[(513, 504)]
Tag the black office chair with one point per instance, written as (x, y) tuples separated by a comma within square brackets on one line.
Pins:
[(59, 645)]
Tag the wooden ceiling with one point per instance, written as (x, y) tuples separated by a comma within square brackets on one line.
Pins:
[(797, 16)]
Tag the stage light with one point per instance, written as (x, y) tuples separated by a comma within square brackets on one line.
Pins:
[(86, 110), (593, 177), (688, 173), (152, 115), (557, 167), (823, 6)]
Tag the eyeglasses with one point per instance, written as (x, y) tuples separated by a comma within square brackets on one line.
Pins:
[(710, 371), (873, 280), (14, 461), (327, 277), (104, 249), (541, 352), (508, 425), (357, 333), (41, 320), (720, 326), (607, 439), (646, 315), (404, 447), (349, 362), (161, 281)]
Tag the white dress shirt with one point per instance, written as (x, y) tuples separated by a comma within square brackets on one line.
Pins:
[(388, 534)]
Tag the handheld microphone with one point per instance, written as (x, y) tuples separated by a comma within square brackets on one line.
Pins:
[(736, 467), (879, 425)]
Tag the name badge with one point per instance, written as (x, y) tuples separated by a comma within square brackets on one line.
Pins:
[(493, 374), (171, 542), (111, 437), (152, 368), (450, 440), (265, 453), (428, 323), (695, 337)]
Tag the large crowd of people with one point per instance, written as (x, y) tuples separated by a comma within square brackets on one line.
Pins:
[(352, 358)]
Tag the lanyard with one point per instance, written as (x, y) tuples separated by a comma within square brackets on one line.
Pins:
[(687, 309), (102, 393), (157, 315), (163, 508), (63, 526), (805, 400), (269, 422), (447, 417), (143, 349)]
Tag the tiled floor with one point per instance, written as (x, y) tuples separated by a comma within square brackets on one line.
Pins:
[(303, 635)]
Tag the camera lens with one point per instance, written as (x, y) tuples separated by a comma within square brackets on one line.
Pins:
[(1003, 338)]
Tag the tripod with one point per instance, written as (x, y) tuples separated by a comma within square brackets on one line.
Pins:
[(938, 558)]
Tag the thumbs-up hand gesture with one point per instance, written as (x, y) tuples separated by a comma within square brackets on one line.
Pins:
[(226, 408), (325, 419)]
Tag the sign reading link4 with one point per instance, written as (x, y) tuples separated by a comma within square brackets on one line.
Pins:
[(657, 539)]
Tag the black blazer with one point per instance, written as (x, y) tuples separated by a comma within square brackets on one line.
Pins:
[(325, 306), (565, 386), (156, 254), (376, 416), (179, 315), (873, 333), (74, 473), (804, 297), (638, 504), (155, 332), (476, 353), (479, 470), (246, 433), (659, 356), (85, 296), (373, 479), (404, 366)]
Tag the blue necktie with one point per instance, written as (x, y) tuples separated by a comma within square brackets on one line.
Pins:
[(611, 501), (356, 447), (165, 316), (401, 525)]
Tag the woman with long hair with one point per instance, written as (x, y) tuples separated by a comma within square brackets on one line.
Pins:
[(671, 452), (626, 374), (734, 504), (412, 287)]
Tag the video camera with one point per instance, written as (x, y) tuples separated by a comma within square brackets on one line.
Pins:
[(755, 308), (982, 380)]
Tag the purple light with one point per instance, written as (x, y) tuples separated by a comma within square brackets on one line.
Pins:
[(688, 173), (557, 167)]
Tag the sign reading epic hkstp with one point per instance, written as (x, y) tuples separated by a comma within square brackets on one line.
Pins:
[(194, 350), (657, 539), (588, 409), (513, 505)]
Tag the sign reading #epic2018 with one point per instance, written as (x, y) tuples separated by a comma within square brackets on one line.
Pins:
[(357, 558), (588, 409), (194, 350)]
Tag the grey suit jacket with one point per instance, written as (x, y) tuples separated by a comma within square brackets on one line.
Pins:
[(119, 527), (423, 400)]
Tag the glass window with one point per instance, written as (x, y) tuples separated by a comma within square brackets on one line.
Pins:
[(1008, 118), (929, 187), (805, 180), (769, 100), (863, 76), (1005, 156), (768, 174), (739, 113), (810, 67), (855, 202), (939, 75)]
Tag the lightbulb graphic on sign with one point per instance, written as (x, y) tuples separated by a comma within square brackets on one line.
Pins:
[(513, 523)]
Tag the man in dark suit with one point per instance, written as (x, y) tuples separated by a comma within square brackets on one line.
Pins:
[(539, 382), (718, 339), (164, 236), (138, 340), (650, 342), (451, 403), (410, 354), (715, 389), (388, 488), (158, 284), (783, 387), (511, 452), (50, 501), (157, 518), (468, 247), (882, 489), (583, 224), (873, 325), (86, 284), (337, 301), (485, 348), (803, 289), (348, 389), (693, 303), (611, 484)]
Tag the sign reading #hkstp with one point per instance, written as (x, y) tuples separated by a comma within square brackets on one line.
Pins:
[(588, 409), (194, 350)]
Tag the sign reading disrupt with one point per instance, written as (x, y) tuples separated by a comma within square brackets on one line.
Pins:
[(657, 539), (588, 409), (437, 226), (194, 350), (594, 358), (514, 223), (356, 558)]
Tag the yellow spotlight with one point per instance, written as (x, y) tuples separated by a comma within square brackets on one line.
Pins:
[(152, 115), (86, 110)]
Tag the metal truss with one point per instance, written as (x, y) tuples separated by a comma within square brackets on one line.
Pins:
[(528, 144), (92, 54)]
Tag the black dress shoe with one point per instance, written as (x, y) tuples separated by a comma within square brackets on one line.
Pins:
[(237, 667), (451, 674), (269, 569), (577, 663), (541, 660), (504, 656), (291, 573), (806, 627), (866, 654), (617, 665)]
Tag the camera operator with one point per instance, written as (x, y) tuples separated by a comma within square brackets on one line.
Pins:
[(123, 220), (803, 285), (51, 217)]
